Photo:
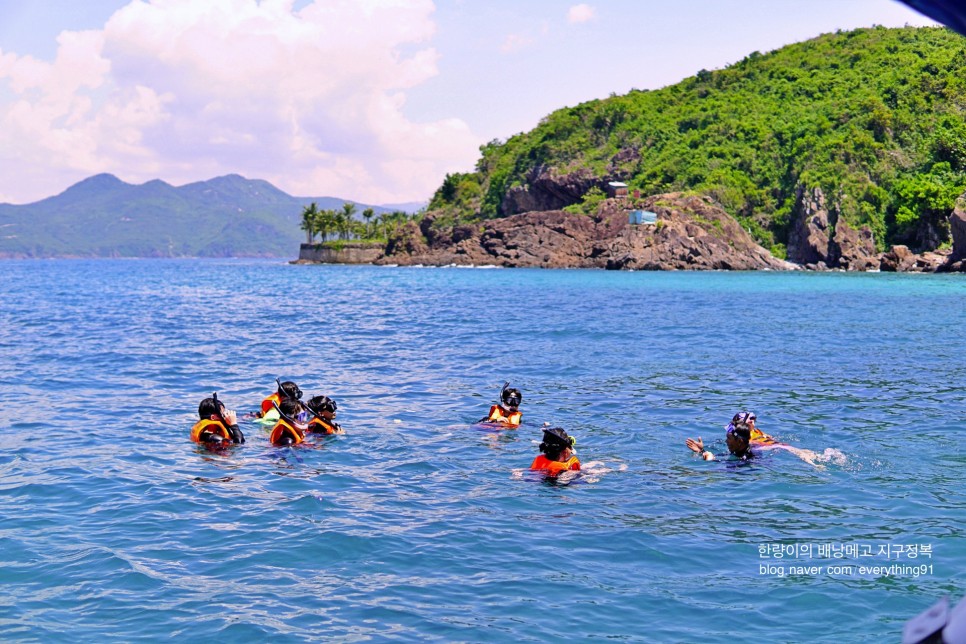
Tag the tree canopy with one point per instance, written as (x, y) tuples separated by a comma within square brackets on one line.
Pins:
[(873, 117)]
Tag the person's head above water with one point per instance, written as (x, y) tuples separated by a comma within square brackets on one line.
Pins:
[(290, 408), (510, 396), (556, 443), (211, 407), (322, 405), (289, 389)]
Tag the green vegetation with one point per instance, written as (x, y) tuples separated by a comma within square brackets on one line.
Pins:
[(588, 205), (872, 117), (340, 224), (340, 244), (457, 198)]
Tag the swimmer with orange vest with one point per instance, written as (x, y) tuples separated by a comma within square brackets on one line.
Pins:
[(287, 389), (557, 453), (289, 429), (507, 412), (323, 412), (217, 426), (745, 441)]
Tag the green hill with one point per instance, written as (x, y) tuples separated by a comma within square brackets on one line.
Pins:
[(103, 216), (874, 118)]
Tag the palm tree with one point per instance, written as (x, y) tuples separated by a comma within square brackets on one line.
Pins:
[(324, 222), (339, 222), (348, 209), (367, 214), (309, 214)]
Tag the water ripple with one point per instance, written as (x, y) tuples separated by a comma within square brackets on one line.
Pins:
[(416, 526)]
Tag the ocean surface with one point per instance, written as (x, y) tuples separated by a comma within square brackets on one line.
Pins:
[(415, 525)]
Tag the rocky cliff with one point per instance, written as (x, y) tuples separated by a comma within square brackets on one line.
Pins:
[(690, 233)]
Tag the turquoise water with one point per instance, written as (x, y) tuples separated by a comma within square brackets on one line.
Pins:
[(415, 526)]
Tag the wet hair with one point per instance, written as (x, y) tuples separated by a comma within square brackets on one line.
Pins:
[(289, 389), (210, 407), (555, 441), (742, 433), (320, 404), (290, 407)]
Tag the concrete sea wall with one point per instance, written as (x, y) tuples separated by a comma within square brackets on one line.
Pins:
[(349, 253)]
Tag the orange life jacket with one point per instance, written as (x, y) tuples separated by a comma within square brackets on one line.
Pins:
[(760, 437), (500, 415), (283, 428), (554, 468), (214, 426), (321, 426), (267, 403)]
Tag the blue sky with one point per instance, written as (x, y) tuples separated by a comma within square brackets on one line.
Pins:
[(371, 100)]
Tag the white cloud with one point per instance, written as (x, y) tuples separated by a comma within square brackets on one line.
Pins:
[(310, 100), (580, 13)]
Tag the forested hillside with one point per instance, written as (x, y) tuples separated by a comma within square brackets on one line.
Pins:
[(872, 118)]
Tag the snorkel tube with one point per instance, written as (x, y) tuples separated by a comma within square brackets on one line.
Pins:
[(284, 416), (234, 430), (294, 424), (312, 412), (218, 406)]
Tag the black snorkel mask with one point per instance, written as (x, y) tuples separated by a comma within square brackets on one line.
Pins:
[(510, 397), (323, 404)]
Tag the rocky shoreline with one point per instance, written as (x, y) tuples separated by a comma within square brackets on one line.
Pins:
[(690, 232)]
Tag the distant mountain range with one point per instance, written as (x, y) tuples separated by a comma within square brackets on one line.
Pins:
[(102, 216)]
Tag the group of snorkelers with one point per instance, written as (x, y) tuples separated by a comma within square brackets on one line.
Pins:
[(292, 420), (557, 452)]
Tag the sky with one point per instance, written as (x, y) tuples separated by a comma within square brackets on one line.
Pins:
[(369, 100)]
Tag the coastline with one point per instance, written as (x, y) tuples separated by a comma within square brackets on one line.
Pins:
[(683, 232)]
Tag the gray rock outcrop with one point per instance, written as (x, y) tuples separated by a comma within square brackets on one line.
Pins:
[(691, 233), (808, 239), (852, 250), (547, 189)]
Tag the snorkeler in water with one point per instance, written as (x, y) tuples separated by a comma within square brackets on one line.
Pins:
[(322, 410), (745, 441), (289, 429), (507, 412), (557, 453), (217, 426), (737, 438), (284, 390)]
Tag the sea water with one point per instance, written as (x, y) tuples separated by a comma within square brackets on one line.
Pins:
[(415, 525)]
